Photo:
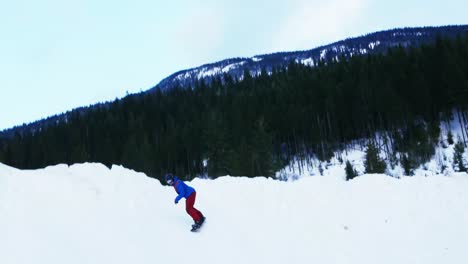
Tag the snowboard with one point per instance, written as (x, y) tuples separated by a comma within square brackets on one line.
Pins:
[(196, 227)]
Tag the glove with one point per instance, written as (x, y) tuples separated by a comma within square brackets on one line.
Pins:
[(176, 201)]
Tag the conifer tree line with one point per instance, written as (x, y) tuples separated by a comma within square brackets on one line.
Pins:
[(255, 126)]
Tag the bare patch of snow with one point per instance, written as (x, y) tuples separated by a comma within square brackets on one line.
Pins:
[(308, 61), (323, 53), (257, 59), (372, 45)]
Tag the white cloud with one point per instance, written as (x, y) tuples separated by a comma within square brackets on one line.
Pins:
[(314, 23)]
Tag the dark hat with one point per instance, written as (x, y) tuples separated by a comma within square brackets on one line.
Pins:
[(169, 178)]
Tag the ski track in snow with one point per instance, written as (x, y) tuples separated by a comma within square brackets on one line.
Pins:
[(89, 214)]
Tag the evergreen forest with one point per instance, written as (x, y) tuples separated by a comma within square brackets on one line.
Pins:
[(256, 125)]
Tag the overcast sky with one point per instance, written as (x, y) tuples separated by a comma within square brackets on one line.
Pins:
[(56, 55)]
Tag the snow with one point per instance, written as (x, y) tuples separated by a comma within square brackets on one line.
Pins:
[(372, 45), (341, 48), (87, 213), (184, 76), (418, 34), (208, 72), (232, 66), (441, 163), (205, 72), (308, 61), (323, 53)]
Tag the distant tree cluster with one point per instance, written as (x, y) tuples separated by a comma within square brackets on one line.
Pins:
[(351, 173), (459, 163), (256, 125)]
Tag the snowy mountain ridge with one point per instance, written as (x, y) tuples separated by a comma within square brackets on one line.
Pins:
[(377, 42)]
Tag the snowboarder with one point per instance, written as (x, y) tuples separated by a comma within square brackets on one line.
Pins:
[(189, 193)]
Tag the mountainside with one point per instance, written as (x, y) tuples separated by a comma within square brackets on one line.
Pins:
[(394, 103), (373, 43)]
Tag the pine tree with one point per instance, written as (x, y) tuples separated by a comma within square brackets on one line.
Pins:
[(351, 173), (458, 163), (407, 165), (450, 138), (373, 163), (262, 156), (216, 143), (2, 152)]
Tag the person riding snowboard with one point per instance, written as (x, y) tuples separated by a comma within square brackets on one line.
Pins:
[(189, 193)]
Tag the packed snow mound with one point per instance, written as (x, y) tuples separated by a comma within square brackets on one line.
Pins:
[(91, 214)]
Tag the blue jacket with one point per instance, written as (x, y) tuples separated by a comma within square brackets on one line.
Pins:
[(182, 189)]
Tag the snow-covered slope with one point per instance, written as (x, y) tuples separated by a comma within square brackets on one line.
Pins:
[(441, 163), (87, 213)]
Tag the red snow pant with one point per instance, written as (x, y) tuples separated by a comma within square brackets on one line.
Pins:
[(194, 213)]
